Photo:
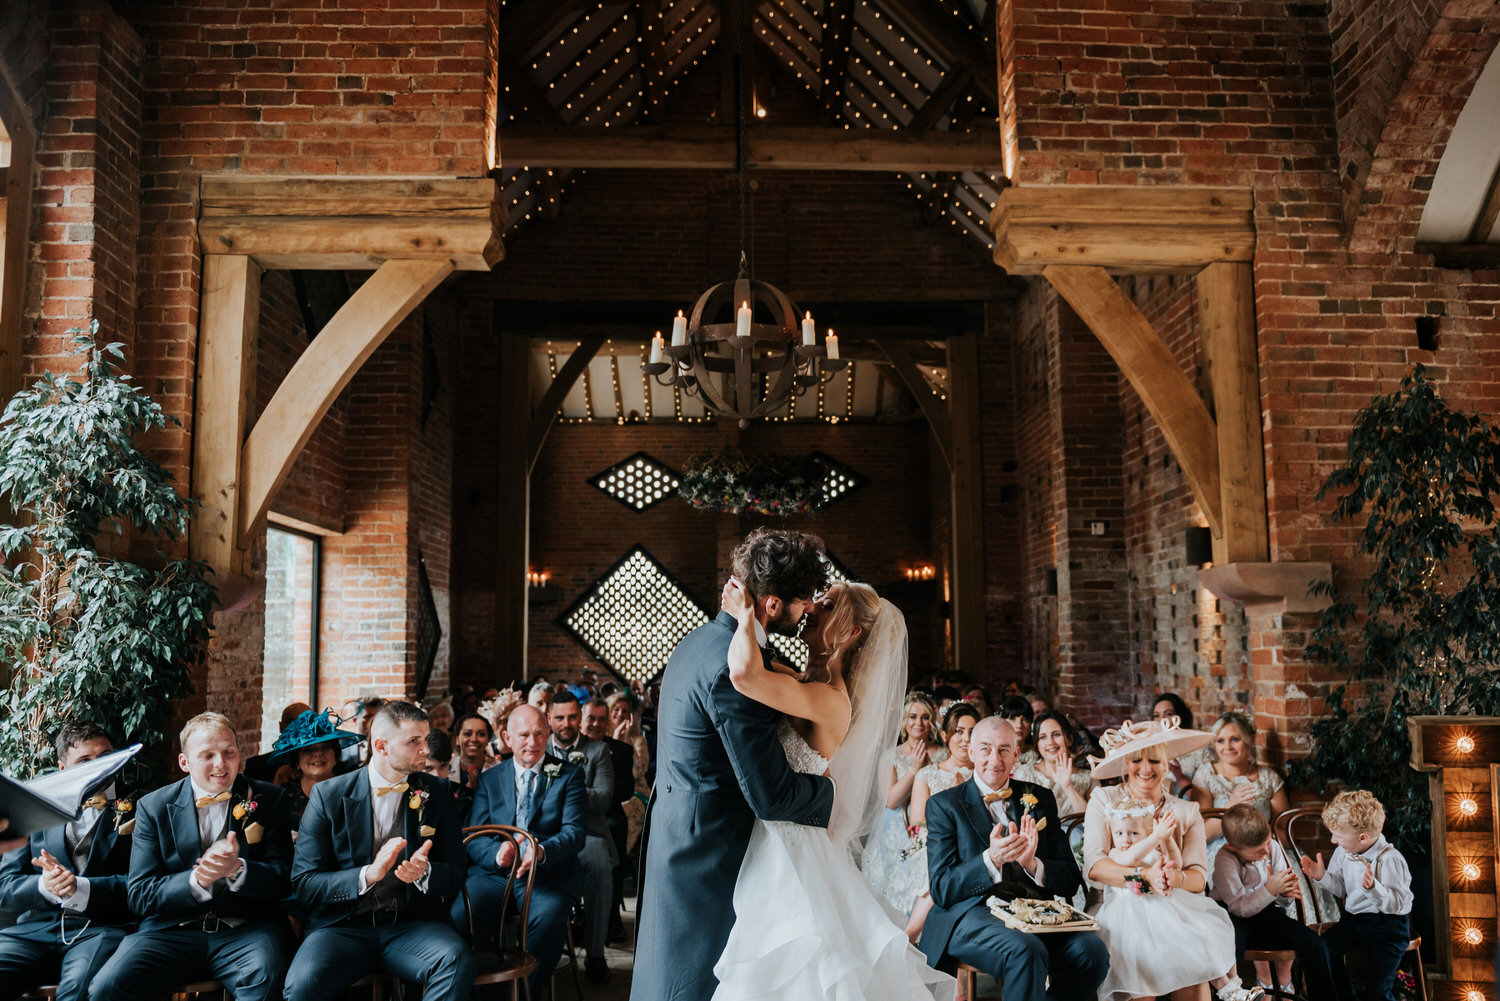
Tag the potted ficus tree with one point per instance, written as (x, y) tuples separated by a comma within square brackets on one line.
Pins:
[(86, 635), (1416, 633)]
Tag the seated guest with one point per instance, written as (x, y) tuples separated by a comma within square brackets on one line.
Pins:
[(69, 882), (310, 743), (1017, 711), (545, 796), (540, 695), (991, 836), (1254, 879), (622, 755), (1170, 704), (598, 857), (440, 716), (1233, 775), (472, 739), (379, 855), (354, 755), (439, 756), (261, 767), (1056, 767), (207, 869)]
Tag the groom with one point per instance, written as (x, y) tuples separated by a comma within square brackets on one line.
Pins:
[(719, 767)]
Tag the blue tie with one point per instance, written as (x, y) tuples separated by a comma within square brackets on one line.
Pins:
[(528, 794)]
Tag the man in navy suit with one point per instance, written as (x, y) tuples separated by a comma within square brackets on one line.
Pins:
[(207, 871), (546, 796), (721, 766), (598, 858), (994, 837), (379, 853), (70, 882)]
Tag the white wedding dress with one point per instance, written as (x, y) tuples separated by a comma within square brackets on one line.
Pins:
[(808, 925)]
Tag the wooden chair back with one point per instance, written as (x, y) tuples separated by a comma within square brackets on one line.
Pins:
[(524, 841), (1301, 832)]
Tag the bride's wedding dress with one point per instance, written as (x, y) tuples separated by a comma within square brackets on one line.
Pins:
[(808, 925)]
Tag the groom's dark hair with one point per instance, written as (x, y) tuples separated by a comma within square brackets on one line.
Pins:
[(789, 565)]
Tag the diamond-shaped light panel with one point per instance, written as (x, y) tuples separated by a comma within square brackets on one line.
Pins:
[(633, 616), (791, 648), (638, 482), (838, 480)]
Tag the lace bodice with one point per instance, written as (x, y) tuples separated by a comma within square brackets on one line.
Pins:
[(799, 754)]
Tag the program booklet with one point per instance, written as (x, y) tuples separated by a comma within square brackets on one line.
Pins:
[(57, 797)]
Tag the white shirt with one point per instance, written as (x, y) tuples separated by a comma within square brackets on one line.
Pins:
[(211, 820), (1241, 885), (1345, 877), (77, 831), (386, 822), (998, 813)]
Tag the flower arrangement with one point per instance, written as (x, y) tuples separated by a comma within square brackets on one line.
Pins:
[(918, 833), (731, 481)]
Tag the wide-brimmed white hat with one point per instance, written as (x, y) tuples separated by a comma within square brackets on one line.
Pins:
[(1122, 744)]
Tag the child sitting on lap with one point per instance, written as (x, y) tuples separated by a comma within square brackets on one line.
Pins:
[(1158, 943), (1253, 878), (1375, 882)]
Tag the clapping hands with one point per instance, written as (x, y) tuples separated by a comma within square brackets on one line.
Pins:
[(1283, 883), (1314, 868), (56, 878), (220, 861), (1009, 843)]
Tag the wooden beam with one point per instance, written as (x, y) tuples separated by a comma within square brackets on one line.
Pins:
[(1226, 323), (966, 583), (767, 148), (932, 407), (1125, 230), (1462, 256), (15, 233), (513, 525), (321, 373), (1489, 213), (833, 57), (545, 413), (320, 223), (935, 31), (942, 99), (1154, 374), (228, 329)]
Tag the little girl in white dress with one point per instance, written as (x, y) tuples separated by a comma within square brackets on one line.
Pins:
[(1161, 942)]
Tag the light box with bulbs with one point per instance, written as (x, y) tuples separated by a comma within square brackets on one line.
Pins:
[(1461, 757)]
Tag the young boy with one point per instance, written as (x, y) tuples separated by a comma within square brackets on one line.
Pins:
[(1375, 882), (1254, 880)]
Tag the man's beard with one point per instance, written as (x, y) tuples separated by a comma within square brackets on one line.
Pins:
[(784, 624)]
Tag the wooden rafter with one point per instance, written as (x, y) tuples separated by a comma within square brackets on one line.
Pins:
[(932, 407), (955, 82), (544, 415), (950, 44), (833, 56), (767, 148)]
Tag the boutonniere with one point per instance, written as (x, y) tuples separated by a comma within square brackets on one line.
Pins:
[(1028, 800), (417, 800), (576, 757), (552, 770), (124, 823), (244, 812)]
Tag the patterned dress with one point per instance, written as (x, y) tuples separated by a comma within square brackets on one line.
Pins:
[(899, 881)]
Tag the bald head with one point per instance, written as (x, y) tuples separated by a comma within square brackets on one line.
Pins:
[(526, 732), (993, 747)]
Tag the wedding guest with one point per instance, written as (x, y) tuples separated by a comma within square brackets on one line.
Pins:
[(1374, 881), (1254, 880), (440, 716), (1017, 712), (1140, 754), (1183, 769), (944, 696), (626, 724), (1056, 767), (473, 742), (977, 697), (597, 857), (1233, 776), (1040, 701), (440, 756), (261, 767), (958, 722), (496, 711), (894, 874), (363, 712), (379, 855), (545, 796), (69, 883), (995, 837), (310, 743), (596, 728), (540, 695), (208, 867)]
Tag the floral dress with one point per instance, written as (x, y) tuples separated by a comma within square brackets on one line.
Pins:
[(900, 881)]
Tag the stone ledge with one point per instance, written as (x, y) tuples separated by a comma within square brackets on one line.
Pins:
[(1268, 588)]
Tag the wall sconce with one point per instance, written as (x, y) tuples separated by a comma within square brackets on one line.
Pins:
[(925, 571), (536, 578), (1470, 871), (1198, 545), (1464, 744), (1473, 936), (1468, 806)]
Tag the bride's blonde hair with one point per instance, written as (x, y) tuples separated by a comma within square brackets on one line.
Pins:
[(856, 605)]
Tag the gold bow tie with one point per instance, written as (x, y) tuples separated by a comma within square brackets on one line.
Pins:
[(398, 787), (990, 797), (203, 801), (96, 802)]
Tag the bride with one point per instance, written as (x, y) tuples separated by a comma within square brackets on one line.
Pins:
[(808, 925)]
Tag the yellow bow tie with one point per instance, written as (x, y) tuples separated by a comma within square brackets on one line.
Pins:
[(990, 797), (398, 787), (203, 801), (96, 802)]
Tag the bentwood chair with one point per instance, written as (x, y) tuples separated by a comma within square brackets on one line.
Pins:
[(500, 963), (968, 983)]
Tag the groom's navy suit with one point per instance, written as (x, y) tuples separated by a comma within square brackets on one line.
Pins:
[(720, 766), (960, 926), (559, 821), (50, 944)]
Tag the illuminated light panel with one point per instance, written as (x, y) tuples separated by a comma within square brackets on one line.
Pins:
[(838, 480), (792, 649), (633, 616), (639, 482)]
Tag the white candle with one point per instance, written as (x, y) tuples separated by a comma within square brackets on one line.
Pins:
[(809, 332), (658, 347), (833, 345), (679, 330), (742, 326)]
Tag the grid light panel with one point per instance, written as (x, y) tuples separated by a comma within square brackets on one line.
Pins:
[(792, 648), (633, 616), (838, 480), (638, 482)]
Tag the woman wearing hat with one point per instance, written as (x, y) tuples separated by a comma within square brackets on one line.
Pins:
[(311, 743), (1140, 752)]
